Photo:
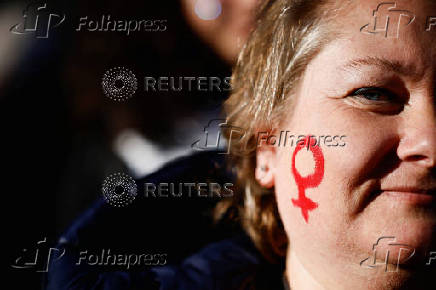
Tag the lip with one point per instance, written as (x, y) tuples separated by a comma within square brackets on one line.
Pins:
[(413, 196)]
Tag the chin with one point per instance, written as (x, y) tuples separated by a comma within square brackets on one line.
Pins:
[(402, 280), (405, 231)]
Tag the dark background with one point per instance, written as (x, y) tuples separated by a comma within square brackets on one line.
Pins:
[(57, 125)]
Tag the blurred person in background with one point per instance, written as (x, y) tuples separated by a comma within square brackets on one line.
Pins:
[(201, 39)]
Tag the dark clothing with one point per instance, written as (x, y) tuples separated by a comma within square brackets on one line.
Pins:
[(185, 249), (169, 118)]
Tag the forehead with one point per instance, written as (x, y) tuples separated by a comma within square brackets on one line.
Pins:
[(403, 31), (392, 8), (388, 19)]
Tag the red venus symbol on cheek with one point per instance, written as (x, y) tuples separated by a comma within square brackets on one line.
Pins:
[(312, 180)]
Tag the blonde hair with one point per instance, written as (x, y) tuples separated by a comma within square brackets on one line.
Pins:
[(288, 35)]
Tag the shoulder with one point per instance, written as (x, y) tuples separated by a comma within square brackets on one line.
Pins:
[(199, 256), (233, 263)]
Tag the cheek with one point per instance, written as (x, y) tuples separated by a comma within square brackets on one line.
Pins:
[(312, 180), (333, 226), (316, 189), (300, 173), (350, 169)]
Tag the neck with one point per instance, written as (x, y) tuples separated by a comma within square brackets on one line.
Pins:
[(298, 276)]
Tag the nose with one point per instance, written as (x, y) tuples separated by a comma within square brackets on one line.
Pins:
[(418, 138)]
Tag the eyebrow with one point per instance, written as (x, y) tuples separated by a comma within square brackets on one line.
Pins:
[(395, 66)]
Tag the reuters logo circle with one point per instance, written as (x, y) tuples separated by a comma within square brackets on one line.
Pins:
[(119, 189), (119, 84)]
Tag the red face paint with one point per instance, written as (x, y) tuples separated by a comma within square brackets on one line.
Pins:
[(313, 180)]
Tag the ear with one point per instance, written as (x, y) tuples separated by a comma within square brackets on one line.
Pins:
[(265, 164)]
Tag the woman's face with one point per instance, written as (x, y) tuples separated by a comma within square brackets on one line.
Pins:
[(379, 92)]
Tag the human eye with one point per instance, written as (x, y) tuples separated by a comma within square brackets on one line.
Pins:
[(380, 100)]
